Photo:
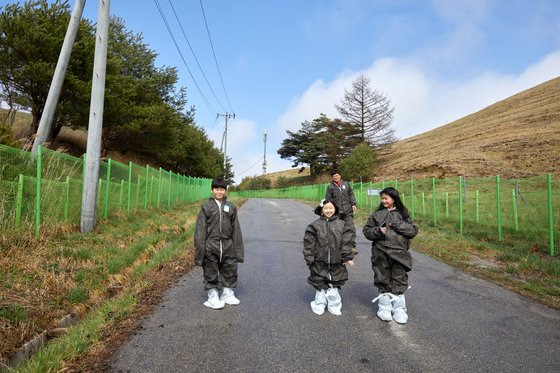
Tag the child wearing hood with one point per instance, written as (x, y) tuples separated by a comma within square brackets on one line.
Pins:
[(327, 247)]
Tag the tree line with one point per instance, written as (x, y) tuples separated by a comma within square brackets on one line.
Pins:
[(144, 113), (348, 143)]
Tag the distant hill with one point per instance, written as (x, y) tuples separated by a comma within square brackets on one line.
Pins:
[(515, 137)]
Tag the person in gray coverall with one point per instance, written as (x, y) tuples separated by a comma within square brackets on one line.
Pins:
[(327, 247), (218, 246), (341, 194), (391, 229)]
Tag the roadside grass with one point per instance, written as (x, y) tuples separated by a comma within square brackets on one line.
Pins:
[(66, 272), (516, 262)]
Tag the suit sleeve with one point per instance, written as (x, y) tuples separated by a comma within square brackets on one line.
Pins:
[(352, 196), (371, 229), (347, 252), (237, 237), (405, 227), (309, 239), (200, 238)]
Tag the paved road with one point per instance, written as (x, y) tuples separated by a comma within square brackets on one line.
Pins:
[(457, 323)]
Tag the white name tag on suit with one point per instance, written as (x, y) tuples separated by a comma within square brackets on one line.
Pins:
[(226, 208)]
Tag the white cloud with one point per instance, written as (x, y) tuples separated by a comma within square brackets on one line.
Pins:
[(421, 102)]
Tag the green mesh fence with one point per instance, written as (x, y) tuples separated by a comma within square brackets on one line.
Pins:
[(58, 181), (487, 208)]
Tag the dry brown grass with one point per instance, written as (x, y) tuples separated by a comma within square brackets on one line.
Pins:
[(516, 137)]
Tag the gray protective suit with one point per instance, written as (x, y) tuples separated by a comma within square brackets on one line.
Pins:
[(327, 244), (218, 244), (390, 258)]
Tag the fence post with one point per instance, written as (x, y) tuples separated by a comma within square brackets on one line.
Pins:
[(147, 186), (129, 187), (38, 191), (107, 187), (411, 197), (423, 204), (550, 215), (67, 198), (169, 189), (447, 205), (477, 208), (19, 200), (434, 199), (159, 189), (121, 192), (461, 206), (515, 222), (138, 191), (499, 207)]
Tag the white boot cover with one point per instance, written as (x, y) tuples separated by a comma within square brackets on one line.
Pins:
[(399, 309), (214, 301), (334, 301), (384, 306), (318, 305), (228, 297)]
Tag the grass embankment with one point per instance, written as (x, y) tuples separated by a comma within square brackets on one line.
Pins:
[(100, 277), (514, 262)]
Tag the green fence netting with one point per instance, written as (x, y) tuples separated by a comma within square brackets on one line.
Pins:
[(57, 179)]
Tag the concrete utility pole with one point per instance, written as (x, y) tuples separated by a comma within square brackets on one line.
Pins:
[(264, 157), (89, 195), (226, 116), (45, 123)]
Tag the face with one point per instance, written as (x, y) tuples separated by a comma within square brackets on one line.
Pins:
[(336, 178), (218, 193), (387, 201), (328, 210)]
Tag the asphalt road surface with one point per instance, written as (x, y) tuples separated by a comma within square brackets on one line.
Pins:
[(457, 323)]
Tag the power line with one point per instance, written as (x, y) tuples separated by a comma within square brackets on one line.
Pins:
[(214, 53), (253, 165), (194, 55), (182, 57)]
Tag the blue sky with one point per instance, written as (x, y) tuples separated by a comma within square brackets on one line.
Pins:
[(283, 62)]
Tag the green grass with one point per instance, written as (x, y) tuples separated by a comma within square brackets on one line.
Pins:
[(67, 270)]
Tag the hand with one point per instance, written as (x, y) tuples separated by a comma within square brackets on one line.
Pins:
[(354, 208), (383, 230), (350, 263)]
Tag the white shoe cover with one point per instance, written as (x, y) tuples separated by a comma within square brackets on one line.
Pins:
[(214, 301), (228, 297), (334, 301), (384, 306), (399, 309), (318, 305)]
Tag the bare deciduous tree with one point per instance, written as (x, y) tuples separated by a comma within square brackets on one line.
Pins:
[(368, 110)]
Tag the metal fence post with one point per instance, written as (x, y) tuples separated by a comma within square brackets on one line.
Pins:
[(499, 207), (38, 191), (550, 215)]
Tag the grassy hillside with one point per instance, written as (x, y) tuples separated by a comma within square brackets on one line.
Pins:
[(516, 137)]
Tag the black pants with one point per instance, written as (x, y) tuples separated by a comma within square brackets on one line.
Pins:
[(321, 275), (219, 274), (389, 275), (349, 219)]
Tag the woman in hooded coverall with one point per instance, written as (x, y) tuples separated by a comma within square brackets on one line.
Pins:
[(327, 247), (391, 229)]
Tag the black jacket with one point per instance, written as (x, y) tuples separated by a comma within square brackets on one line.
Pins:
[(396, 241), (328, 241), (215, 224), (342, 197)]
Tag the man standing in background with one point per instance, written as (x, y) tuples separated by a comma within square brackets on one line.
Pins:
[(341, 194)]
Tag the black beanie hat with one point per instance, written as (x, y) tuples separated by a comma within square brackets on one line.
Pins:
[(219, 183), (335, 171)]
